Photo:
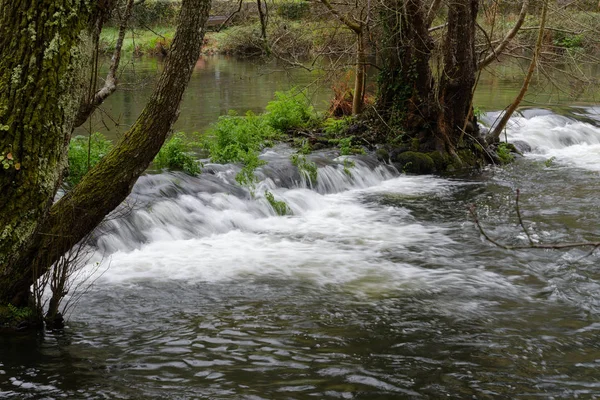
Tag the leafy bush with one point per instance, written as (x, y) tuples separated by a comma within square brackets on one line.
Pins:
[(153, 12), (568, 41), (289, 110), (504, 153), (335, 127), (175, 154), (241, 138), (96, 146), (242, 40)]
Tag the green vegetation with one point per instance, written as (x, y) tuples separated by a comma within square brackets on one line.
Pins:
[(241, 138), (85, 153), (334, 127), (307, 168), (289, 110), (293, 10), (280, 207), (549, 162), (175, 154), (12, 316), (138, 41), (504, 153)]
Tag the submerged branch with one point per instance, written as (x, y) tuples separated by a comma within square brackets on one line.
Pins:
[(531, 245)]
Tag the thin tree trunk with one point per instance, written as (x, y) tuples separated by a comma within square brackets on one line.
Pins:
[(110, 84), (263, 22), (359, 78), (495, 133), (106, 185)]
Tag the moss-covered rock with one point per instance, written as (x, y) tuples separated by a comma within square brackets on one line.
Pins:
[(382, 154), (415, 162)]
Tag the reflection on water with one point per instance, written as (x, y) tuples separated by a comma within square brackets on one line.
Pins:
[(218, 84), (222, 83)]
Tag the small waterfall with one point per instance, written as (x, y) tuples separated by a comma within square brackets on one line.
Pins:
[(175, 206), (570, 141)]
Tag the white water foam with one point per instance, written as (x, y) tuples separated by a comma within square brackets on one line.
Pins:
[(570, 142), (336, 238)]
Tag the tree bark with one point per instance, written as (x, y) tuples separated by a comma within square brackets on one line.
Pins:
[(359, 77), (459, 73), (406, 98), (109, 183), (43, 61)]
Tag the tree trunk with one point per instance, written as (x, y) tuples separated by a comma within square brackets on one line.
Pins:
[(406, 98), (359, 78), (107, 184), (458, 75), (43, 61)]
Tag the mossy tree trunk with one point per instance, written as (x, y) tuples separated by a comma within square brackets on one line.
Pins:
[(43, 60), (40, 234), (458, 78), (406, 97), (410, 102)]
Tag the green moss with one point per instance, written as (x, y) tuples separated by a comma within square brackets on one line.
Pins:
[(440, 160), (382, 154), (415, 162), (414, 144)]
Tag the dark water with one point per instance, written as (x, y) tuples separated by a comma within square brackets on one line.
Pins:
[(377, 287)]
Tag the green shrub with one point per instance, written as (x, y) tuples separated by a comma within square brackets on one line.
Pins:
[(80, 147), (241, 138), (568, 41), (175, 154), (337, 126), (504, 153), (155, 12), (289, 110), (242, 40)]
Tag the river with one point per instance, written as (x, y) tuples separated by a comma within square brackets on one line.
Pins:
[(379, 285)]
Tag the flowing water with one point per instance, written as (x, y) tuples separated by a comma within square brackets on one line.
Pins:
[(378, 286)]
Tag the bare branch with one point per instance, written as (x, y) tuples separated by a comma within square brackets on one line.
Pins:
[(507, 39), (532, 244), (110, 84)]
